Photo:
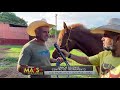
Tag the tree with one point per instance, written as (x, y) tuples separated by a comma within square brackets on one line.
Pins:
[(52, 31), (11, 18)]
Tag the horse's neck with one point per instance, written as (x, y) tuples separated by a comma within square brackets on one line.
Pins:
[(89, 44)]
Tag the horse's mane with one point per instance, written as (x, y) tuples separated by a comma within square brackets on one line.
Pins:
[(73, 26)]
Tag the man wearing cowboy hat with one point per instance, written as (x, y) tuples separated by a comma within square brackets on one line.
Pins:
[(35, 53), (109, 59)]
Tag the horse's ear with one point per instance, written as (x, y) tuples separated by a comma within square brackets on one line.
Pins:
[(65, 27)]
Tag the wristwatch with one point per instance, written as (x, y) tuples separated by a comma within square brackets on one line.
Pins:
[(69, 56)]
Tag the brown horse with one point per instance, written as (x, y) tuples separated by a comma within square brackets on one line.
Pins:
[(77, 36)]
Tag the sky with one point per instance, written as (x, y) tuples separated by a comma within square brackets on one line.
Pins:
[(88, 19)]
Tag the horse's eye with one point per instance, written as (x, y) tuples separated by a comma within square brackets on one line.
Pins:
[(60, 40)]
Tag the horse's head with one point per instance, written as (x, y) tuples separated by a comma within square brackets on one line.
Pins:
[(65, 40), (79, 37)]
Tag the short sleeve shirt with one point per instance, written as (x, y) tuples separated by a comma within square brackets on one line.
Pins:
[(108, 64), (34, 54)]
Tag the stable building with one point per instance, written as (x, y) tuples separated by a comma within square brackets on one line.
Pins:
[(11, 34)]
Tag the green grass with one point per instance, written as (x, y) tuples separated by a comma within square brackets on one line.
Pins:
[(15, 50), (11, 56), (10, 46)]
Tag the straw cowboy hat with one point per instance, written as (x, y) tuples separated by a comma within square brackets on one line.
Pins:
[(34, 25), (113, 25)]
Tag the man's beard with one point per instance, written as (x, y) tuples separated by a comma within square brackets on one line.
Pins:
[(109, 48)]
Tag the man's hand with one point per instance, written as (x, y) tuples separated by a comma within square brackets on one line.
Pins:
[(60, 59), (20, 68), (55, 60)]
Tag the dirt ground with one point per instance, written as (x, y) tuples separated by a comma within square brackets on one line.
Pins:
[(11, 73)]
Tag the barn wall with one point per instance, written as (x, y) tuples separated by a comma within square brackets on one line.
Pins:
[(13, 35), (13, 41)]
